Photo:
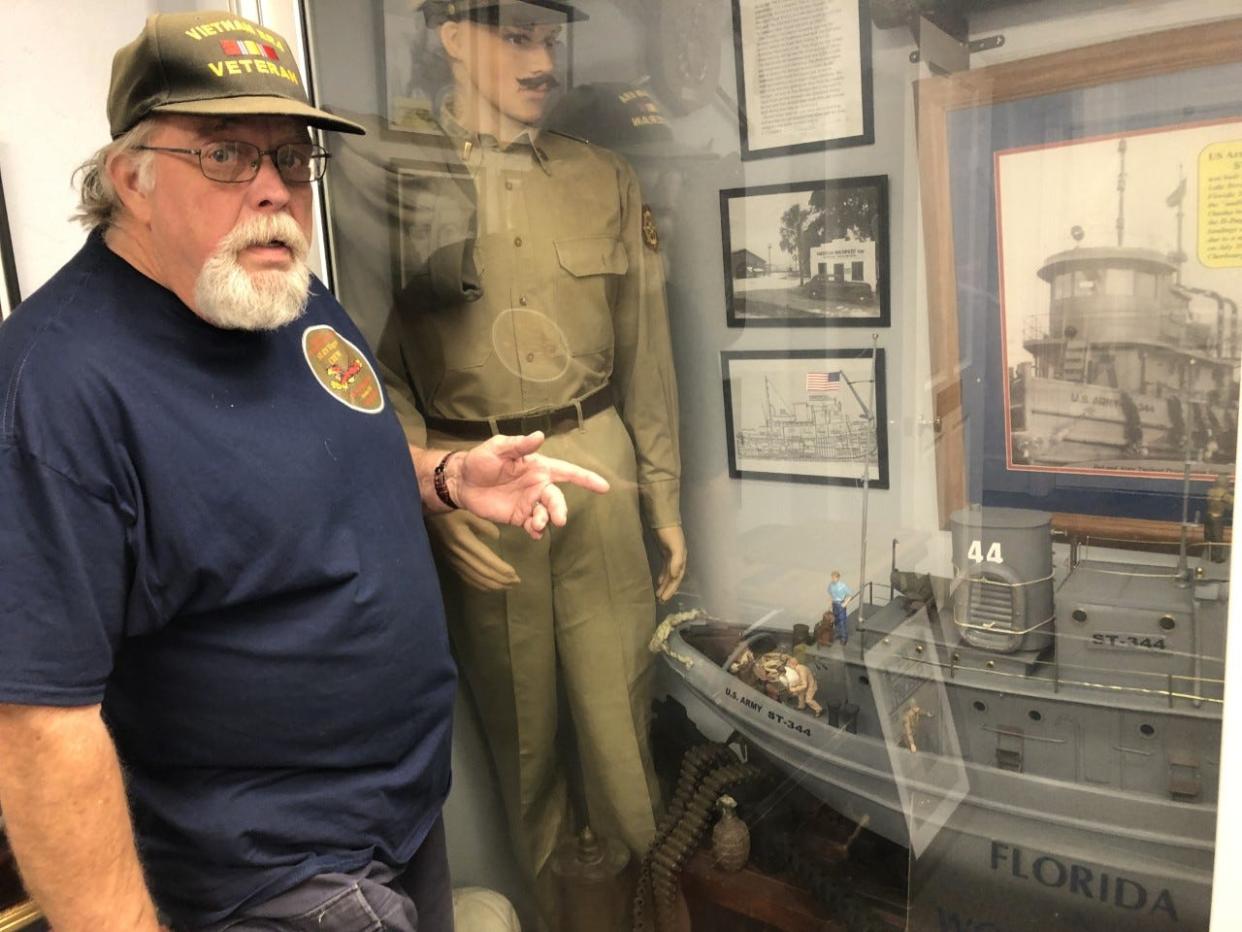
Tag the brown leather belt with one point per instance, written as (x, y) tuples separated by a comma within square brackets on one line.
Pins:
[(551, 421)]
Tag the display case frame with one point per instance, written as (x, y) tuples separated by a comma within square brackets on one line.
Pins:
[(10, 293)]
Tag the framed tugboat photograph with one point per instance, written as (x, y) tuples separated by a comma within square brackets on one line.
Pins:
[(1121, 356), (807, 254), (1084, 277), (807, 416)]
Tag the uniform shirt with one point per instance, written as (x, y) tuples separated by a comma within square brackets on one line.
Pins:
[(202, 533), (839, 591), (572, 301)]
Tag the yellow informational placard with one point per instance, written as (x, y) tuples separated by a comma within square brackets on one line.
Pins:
[(1220, 205)]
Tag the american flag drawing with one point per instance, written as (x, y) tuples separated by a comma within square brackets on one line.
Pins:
[(823, 381)]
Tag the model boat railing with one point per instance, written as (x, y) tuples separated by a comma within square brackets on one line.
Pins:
[(1164, 685), (1203, 550)]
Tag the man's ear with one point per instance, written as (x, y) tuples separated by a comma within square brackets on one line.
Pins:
[(452, 38), (126, 179)]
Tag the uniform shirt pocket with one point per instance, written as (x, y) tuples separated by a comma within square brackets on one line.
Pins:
[(592, 268)]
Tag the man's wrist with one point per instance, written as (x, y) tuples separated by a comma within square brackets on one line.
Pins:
[(446, 482)]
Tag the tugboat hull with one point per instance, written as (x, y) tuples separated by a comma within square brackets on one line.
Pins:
[(1112, 857), (1070, 423)]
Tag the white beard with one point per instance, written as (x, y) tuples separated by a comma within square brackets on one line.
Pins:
[(229, 297)]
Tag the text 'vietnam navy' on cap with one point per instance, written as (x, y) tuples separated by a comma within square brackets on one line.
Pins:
[(501, 12), (209, 63)]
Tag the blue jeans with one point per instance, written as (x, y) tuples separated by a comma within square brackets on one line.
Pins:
[(839, 621), (376, 898)]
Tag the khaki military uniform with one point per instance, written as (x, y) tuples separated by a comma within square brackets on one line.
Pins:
[(572, 321)]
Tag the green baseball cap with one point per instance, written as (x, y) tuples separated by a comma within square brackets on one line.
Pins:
[(501, 12), (209, 63)]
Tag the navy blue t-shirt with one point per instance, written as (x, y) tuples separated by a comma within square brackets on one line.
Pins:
[(218, 535)]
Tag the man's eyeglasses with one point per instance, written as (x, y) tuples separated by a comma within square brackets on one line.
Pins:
[(238, 162)]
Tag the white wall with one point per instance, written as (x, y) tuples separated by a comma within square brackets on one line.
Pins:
[(54, 66)]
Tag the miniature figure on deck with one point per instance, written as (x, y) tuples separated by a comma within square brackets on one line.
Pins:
[(744, 668), (826, 629), (786, 678), (840, 594), (910, 719), (1219, 505)]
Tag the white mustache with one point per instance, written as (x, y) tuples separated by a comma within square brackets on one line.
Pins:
[(259, 231)]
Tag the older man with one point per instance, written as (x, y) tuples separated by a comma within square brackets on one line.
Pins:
[(568, 330), (217, 596)]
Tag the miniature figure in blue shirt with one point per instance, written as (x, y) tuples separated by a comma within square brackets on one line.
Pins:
[(840, 593)]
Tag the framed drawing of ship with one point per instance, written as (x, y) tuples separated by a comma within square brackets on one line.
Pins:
[(1084, 305), (807, 416)]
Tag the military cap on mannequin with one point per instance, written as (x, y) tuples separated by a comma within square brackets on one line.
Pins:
[(500, 12)]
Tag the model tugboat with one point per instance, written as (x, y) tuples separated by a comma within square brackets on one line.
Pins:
[(1048, 735)]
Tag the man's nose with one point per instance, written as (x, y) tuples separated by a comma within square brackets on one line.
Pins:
[(543, 59), (269, 187)]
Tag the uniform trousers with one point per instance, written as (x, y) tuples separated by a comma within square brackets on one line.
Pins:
[(584, 612)]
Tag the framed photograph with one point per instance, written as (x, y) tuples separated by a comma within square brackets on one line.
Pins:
[(410, 81), (807, 254), (803, 75), (432, 200), (806, 416), (10, 293), (1084, 261)]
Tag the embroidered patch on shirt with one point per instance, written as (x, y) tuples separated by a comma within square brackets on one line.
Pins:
[(342, 369), (651, 235)]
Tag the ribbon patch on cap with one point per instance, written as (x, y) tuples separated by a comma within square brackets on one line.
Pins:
[(238, 47), (342, 369)]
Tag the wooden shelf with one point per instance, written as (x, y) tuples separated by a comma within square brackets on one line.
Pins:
[(749, 899)]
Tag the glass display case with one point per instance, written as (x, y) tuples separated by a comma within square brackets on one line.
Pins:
[(913, 329)]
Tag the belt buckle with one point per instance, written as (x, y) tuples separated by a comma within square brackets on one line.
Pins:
[(538, 421)]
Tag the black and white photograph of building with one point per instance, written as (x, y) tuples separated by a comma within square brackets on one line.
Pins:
[(807, 254)]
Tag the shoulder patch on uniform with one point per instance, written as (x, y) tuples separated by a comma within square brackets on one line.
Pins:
[(651, 235)]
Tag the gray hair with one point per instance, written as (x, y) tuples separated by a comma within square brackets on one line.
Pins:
[(98, 203)]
